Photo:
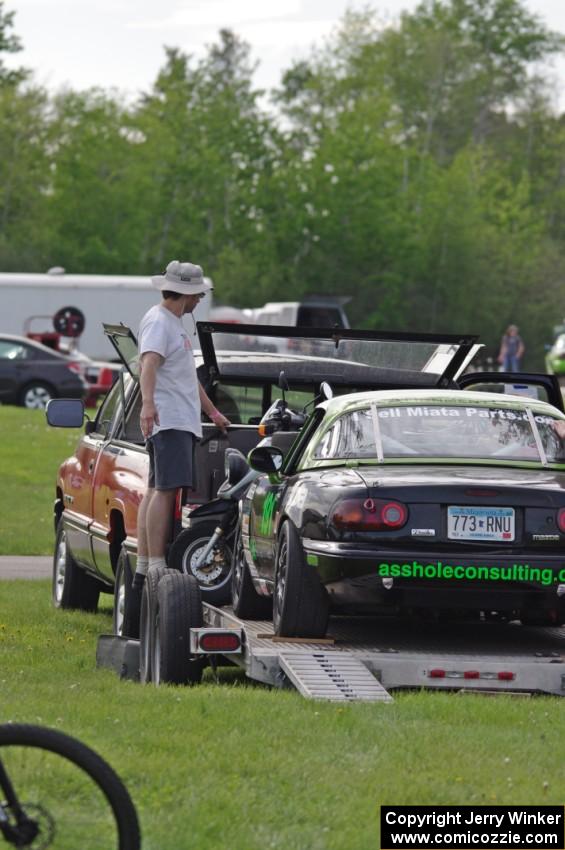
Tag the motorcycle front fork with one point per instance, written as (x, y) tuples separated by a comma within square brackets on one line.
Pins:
[(203, 557)]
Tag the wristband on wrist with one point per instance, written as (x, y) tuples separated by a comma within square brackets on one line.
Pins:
[(215, 415)]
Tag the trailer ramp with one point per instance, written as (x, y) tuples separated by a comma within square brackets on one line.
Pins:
[(334, 676)]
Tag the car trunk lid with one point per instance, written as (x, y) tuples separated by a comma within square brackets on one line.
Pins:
[(462, 506)]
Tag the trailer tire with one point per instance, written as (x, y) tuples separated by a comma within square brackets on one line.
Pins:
[(179, 610), (300, 602), (185, 549), (72, 588), (147, 621), (246, 602)]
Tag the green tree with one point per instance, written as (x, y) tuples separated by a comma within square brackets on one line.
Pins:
[(9, 43), (23, 161), (93, 202), (445, 152), (24, 178), (208, 148), (455, 65)]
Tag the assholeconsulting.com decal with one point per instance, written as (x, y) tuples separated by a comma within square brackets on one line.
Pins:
[(468, 572)]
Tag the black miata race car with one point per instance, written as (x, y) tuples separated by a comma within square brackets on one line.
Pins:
[(442, 500)]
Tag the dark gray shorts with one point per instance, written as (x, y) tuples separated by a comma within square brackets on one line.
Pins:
[(171, 459)]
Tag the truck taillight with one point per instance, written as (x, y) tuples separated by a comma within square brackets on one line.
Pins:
[(369, 515), (561, 519), (178, 504)]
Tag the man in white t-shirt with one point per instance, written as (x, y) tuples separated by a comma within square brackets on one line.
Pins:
[(172, 400)]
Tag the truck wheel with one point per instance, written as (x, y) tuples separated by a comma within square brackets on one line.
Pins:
[(72, 587), (124, 623), (214, 576), (179, 610), (247, 603), (36, 395), (147, 621), (300, 602)]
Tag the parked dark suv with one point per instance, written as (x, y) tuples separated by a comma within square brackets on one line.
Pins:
[(31, 374)]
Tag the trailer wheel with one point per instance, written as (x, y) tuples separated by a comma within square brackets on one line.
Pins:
[(125, 621), (72, 588), (245, 600), (300, 603), (147, 621), (214, 576), (179, 610)]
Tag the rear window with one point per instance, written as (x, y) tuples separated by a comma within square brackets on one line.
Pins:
[(441, 431)]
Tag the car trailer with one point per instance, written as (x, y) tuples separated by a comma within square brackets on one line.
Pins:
[(363, 659)]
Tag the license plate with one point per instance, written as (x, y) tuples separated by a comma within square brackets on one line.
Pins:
[(480, 523)]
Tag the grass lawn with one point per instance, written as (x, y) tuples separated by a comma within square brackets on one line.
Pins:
[(30, 454), (239, 766)]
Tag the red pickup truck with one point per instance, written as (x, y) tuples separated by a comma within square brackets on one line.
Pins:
[(99, 488)]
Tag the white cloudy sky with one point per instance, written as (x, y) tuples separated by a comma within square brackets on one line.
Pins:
[(119, 43)]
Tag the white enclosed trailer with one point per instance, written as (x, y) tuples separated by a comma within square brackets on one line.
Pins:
[(28, 301)]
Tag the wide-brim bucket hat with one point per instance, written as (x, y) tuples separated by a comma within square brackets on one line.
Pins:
[(184, 278)]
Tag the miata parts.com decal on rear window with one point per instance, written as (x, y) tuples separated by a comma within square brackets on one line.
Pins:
[(406, 412)]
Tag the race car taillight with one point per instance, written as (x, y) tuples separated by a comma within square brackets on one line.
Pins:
[(561, 519), (394, 514), (369, 515)]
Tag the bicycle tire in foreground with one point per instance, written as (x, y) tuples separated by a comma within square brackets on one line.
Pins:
[(75, 798)]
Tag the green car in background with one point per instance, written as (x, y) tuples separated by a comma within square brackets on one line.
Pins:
[(555, 359)]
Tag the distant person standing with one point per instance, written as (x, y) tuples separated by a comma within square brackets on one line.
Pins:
[(511, 350)]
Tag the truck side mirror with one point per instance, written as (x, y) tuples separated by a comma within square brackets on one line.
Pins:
[(65, 412)]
